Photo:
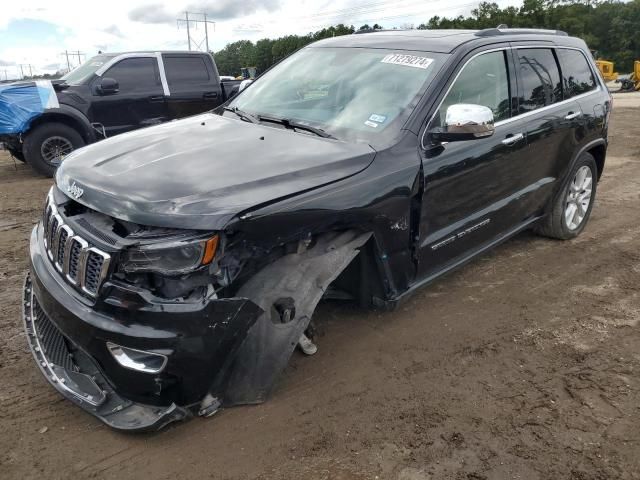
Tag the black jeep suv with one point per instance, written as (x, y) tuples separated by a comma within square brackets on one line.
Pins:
[(176, 268)]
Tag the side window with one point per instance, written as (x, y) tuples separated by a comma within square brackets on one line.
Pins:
[(135, 74), (577, 76), (185, 70), (540, 78), (483, 81)]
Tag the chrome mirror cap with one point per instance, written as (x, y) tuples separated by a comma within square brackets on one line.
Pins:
[(469, 120)]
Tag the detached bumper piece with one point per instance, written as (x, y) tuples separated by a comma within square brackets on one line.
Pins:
[(77, 378)]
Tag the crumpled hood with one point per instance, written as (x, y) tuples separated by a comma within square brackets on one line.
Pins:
[(202, 171)]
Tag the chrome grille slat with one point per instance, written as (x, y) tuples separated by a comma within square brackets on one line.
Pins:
[(60, 245), (82, 264), (67, 253)]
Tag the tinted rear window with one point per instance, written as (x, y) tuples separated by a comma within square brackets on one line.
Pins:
[(577, 76), (185, 70), (540, 78)]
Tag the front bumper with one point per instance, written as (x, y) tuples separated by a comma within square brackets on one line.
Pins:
[(76, 376), (68, 334)]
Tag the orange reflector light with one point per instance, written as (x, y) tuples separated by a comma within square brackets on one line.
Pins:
[(210, 250)]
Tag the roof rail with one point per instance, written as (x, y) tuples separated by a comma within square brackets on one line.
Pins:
[(370, 30), (504, 30)]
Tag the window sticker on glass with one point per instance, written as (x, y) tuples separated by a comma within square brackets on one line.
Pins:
[(407, 60), (371, 124), (377, 118)]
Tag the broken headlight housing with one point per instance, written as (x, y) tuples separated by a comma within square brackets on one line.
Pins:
[(171, 257)]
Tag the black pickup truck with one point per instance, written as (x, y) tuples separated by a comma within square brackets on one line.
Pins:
[(114, 93)]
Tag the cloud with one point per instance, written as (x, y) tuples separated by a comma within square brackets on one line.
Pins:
[(228, 9), (5, 63), (152, 13), (248, 28), (113, 30)]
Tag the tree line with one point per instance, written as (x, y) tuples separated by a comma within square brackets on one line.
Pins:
[(609, 27)]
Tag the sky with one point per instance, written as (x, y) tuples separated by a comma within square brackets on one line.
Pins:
[(34, 34)]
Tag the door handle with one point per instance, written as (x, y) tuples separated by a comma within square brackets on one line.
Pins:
[(156, 98), (572, 115), (210, 95), (513, 139)]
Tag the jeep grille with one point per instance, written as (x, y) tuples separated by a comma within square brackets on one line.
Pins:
[(81, 264)]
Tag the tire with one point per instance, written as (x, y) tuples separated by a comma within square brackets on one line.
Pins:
[(47, 144), (561, 223)]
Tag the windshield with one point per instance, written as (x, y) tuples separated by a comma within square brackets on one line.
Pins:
[(79, 74), (351, 93)]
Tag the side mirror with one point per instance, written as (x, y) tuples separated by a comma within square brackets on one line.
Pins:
[(108, 86), (464, 121), (244, 84)]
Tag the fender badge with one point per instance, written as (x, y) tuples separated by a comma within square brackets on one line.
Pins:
[(74, 190)]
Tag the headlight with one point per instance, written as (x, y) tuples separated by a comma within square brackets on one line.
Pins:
[(171, 258)]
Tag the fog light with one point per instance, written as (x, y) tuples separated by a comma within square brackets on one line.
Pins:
[(137, 360)]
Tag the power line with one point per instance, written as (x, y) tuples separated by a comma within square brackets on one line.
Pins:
[(191, 21)]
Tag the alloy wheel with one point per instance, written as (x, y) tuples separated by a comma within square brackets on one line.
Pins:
[(54, 149), (578, 198)]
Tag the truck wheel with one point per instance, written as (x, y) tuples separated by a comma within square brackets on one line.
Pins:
[(572, 206), (46, 146)]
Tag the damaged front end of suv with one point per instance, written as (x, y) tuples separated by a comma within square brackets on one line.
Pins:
[(176, 267), (142, 326)]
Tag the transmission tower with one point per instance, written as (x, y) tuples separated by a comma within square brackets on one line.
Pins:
[(192, 20)]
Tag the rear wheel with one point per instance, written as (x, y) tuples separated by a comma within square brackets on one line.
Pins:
[(46, 146), (572, 206)]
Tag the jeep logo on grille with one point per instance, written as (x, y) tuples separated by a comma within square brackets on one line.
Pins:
[(75, 191)]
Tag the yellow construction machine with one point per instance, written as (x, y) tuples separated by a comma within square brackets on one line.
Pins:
[(606, 69), (633, 81)]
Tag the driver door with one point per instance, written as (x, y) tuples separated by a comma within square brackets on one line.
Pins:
[(472, 187), (139, 102)]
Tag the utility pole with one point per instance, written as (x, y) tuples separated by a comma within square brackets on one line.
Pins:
[(186, 14), (191, 21), (206, 32), (76, 53)]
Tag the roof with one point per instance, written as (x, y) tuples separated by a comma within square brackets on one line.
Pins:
[(440, 41)]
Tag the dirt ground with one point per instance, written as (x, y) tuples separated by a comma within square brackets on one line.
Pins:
[(522, 365)]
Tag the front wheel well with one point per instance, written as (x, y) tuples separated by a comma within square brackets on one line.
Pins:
[(65, 120), (362, 278)]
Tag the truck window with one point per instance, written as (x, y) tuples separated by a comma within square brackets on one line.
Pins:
[(136, 74), (184, 70), (540, 78), (483, 81), (577, 77)]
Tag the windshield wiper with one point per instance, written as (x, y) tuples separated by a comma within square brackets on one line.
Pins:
[(247, 117), (288, 123)]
